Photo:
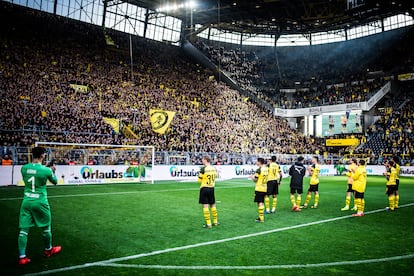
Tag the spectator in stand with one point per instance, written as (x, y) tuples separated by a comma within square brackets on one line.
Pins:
[(39, 77), (6, 160)]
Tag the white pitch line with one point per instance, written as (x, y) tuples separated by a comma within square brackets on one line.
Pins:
[(259, 267), (179, 248), (132, 192)]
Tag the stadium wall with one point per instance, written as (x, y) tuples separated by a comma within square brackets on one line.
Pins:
[(83, 174)]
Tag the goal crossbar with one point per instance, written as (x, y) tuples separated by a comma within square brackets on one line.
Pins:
[(93, 147)]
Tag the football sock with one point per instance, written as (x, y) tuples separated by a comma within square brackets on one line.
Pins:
[(391, 200), (357, 202), (47, 237), (347, 200), (362, 206), (298, 200), (22, 241), (396, 201), (308, 198), (214, 214), (274, 203), (292, 199), (316, 199), (261, 212), (206, 214), (267, 203)]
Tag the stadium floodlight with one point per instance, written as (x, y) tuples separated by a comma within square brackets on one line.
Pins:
[(191, 4), (175, 7)]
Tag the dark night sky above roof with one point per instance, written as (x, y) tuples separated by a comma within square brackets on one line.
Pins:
[(282, 16)]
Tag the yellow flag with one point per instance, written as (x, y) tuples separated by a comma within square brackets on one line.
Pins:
[(109, 40), (195, 102), (127, 131), (43, 113), (113, 122), (160, 120)]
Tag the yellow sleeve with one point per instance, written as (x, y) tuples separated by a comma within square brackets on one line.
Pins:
[(356, 174)]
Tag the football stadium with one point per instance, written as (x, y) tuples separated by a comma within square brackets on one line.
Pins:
[(229, 137)]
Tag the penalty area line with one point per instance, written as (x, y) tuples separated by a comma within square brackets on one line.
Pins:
[(179, 248), (259, 267)]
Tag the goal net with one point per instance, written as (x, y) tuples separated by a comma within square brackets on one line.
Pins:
[(100, 163)]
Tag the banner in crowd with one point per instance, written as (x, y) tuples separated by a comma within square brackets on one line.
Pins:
[(79, 88), (97, 174), (160, 120), (365, 106), (406, 77), (342, 142)]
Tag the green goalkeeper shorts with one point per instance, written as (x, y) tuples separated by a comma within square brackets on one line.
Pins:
[(34, 213)]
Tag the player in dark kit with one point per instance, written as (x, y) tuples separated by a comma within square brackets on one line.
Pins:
[(35, 210), (297, 172)]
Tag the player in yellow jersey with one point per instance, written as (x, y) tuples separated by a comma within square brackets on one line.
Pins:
[(314, 171), (260, 178), (349, 191), (397, 180), (391, 175), (207, 179), (274, 179), (359, 184)]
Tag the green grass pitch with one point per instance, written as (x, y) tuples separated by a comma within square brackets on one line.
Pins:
[(146, 229)]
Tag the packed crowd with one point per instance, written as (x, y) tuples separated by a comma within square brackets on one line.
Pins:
[(241, 66), (41, 56), (349, 92), (326, 74), (395, 130)]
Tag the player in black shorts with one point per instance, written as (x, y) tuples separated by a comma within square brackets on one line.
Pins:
[(297, 172), (274, 179)]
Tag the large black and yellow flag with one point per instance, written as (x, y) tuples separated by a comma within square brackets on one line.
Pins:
[(161, 120)]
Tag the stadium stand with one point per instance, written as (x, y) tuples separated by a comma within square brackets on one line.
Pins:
[(47, 62), (392, 134), (347, 72), (42, 55)]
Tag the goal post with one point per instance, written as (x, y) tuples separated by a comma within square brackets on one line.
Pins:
[(78, 163)]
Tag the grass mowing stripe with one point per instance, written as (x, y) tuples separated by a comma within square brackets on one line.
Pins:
[(258, 267), (158, 252), (134, 192)]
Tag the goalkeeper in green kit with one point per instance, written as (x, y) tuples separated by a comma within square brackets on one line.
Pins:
[(35, 210)]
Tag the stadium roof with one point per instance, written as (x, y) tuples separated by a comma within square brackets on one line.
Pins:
[(280, 16)]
